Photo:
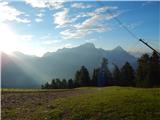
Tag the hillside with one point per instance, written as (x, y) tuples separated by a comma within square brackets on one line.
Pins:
[(60, 64), (113, 103)]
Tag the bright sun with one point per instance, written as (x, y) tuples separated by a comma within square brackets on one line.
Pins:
[(11, 41), (8, 41)]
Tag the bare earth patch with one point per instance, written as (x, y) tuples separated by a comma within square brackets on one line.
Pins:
[(19, 105)]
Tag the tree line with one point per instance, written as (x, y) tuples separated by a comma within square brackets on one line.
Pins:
[(147, 74), (59, 84)]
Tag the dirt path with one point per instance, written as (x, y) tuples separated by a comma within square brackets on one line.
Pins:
[(18, 105)]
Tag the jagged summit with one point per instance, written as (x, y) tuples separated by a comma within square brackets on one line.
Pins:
[(118, 48), (88, 45)]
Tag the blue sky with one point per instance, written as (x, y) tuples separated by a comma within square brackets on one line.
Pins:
[(39, 26)]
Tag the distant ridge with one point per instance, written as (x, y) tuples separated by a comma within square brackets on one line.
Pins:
[(60, 64)]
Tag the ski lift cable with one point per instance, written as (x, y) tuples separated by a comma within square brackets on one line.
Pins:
[(128, 30), (121, 24)]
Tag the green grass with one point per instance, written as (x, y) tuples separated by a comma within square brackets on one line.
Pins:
[(110, 103)]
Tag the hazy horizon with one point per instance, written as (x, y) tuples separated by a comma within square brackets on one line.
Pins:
[(134, 53)]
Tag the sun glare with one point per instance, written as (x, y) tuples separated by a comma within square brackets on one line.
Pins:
[(8, 41), (11, 41)]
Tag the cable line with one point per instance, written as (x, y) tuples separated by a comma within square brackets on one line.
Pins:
[(121, 24), (128, 30)]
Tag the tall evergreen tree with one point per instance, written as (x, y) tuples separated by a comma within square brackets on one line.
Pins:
[(77, 79), (102, 75), (64, 84), (116, 75), (58, 83), (154, 70), (109, 78), (53, 84), (70, 84), (94, 79), (47, 86), (84, 76), (127, 75), (42, 87), (142, 73)]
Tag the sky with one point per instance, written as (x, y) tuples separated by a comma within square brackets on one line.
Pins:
[(38, 26)]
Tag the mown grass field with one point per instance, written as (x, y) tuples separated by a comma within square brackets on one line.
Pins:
[(108, 103)]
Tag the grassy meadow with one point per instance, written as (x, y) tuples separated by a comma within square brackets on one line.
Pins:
[(107, 103)]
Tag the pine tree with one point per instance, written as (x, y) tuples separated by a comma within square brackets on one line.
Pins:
[(42, 87), (154, 70), (53, 84), (77, 79), (142, 73), (127, 75), (109, 77), (84, 76), (64, 84), (70, 84), (102, 76), (47, 86), (116, 75), (148, 72), (58, 83), (94, 77)]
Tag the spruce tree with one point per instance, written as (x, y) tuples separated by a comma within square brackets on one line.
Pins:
[(109, 78), (58, 83), (84, 76), (77, 79), (70, 84), (127, 75), (116, 75), (94, 77), (102, 75), (53, 84), (64, 84), (47, 86), (154, 70), (142, 73)]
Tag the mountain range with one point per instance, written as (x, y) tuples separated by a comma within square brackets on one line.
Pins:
[(25, 71)]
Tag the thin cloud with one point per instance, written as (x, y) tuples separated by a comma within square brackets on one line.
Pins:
[(36, 3), (68, 45), (60, 18), (48, 42), (70, 34), (132, 25), (45, 3), (40, 15), (80, 5), (92, 23), (145, 3), (38, 20), (87, 24), (113, 15), (9, 13), (105, 8)]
